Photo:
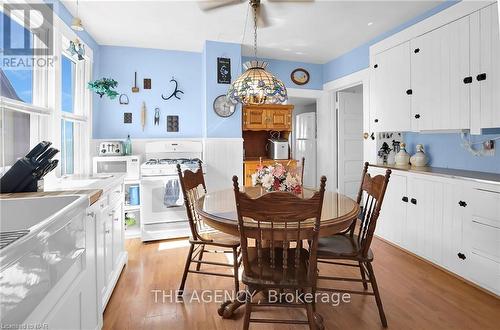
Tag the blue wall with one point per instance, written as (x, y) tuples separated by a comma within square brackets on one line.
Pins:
[(160, 66), (445, 150), (283, 69), (359, 58), (215, 126)]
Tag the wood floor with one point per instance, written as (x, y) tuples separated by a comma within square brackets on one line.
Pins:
[(415, 294)]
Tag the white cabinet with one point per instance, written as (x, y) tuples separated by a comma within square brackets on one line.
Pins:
[(390, 89), (452, 223), (485, 65), (392, 217), (110, 249), (440, 78)]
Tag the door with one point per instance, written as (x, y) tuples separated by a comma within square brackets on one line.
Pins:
[(439, 78), (254, 118), (390, 89), (279, 120), (350, 142), (485, 68)]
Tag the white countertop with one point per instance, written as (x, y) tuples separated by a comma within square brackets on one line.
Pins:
[(84, 182)]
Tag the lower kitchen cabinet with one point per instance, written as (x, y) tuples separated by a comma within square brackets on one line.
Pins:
[(110, 249), (453, 223)]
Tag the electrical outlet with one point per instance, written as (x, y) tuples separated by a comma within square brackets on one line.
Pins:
[(489, 148)]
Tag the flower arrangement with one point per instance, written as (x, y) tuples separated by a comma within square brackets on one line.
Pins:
[(277, 178)]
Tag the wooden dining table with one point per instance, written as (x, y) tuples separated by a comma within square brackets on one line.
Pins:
[(218, 210)]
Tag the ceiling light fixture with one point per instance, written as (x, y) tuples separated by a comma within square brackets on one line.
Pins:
[(257, 85), (370, 23), (76, 23)]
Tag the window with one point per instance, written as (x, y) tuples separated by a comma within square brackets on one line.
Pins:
[(67, 147), (16, 78), (68, 75)]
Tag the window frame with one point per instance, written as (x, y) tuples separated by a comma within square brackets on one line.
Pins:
[(46, 111)]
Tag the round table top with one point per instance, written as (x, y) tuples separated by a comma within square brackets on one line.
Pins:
[(218, 209)]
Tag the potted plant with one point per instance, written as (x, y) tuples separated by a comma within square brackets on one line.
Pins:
[(103, 87)]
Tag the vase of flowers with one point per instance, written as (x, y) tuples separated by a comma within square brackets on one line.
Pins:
[(277, 177)]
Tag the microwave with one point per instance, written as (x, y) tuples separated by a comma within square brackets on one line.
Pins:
[(128, 165)]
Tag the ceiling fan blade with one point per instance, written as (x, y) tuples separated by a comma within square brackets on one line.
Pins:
[(262, 17), (207, 5)]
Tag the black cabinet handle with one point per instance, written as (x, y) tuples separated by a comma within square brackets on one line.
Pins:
[(467, 80), (375, 66), (409, 91), (413, 201), (405, 199), (461, 255), (462, 203), (481, 77), (417, 116), (376, 120), (372, 136), (416, 50)]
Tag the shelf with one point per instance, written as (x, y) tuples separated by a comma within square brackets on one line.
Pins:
[(130, 208), (133, 232), (131, 182)]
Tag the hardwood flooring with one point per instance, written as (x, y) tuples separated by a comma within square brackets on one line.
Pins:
[(415, 295)]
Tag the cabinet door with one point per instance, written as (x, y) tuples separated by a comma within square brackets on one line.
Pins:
[(254, 119), (439, 65), (108, 247), (393, 213), (389, 88), (485, 68), (279, 120), (118, 242)]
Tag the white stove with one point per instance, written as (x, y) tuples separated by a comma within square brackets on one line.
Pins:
[(163, 214)]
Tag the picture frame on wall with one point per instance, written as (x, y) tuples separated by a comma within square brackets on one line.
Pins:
[(223, 70)]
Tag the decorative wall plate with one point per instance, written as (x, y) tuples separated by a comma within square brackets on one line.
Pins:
[(300, 76), (223, 107)]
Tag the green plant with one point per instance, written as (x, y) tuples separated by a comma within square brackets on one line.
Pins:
[(104, 86)]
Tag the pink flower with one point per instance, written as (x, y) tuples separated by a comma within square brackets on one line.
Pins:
[(279, 170)]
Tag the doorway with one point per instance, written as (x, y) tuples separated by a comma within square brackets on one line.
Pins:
[(349, 106), (303, 137)]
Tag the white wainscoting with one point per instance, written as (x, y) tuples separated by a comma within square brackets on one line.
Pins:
[(224, 158)]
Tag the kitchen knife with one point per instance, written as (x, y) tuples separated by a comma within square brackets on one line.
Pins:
[(48, 154), (38, 149)]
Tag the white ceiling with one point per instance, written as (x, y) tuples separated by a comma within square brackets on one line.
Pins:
[(302, 31)]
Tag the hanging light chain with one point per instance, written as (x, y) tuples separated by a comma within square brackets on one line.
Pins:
[(255, 30)]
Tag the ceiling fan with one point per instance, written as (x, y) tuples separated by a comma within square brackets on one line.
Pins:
[(262, 18)]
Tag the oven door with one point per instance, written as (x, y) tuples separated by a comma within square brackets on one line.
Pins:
[(153, 208)]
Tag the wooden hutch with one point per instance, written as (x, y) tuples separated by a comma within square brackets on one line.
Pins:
[(259, 122)]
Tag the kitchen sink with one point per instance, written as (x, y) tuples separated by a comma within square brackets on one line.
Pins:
[(27, 213)]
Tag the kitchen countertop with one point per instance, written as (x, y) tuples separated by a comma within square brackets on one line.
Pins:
[(72, 185), (485, 177), (257, 160)]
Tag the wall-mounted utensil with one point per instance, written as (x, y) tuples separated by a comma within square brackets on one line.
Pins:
[(127, 118), (143, 115), (147, 83), (157, 116), (135, 89), (123, 99), (172, 123), (175, 92)]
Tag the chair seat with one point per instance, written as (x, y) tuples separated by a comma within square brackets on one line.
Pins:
[(341, 246), (274, 277), (217, 238)]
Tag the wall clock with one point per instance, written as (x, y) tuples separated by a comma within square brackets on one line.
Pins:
[(222, 107), (300, 76)]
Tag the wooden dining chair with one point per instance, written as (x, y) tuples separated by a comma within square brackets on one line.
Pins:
[(203, 236), (268, 225), (355, 247)]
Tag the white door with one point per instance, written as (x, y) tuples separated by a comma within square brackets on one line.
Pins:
[(389, 89), (485, 68), (440, 78), (350, 142)]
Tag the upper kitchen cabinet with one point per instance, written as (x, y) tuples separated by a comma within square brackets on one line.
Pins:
[(267, 117), (485, 69), (440, 78), (390, 90)]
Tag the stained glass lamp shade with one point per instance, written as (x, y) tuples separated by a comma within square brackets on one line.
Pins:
[(257, 86)]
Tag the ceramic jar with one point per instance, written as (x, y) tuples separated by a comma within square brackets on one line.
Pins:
[(419, 159), (402, 157)]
